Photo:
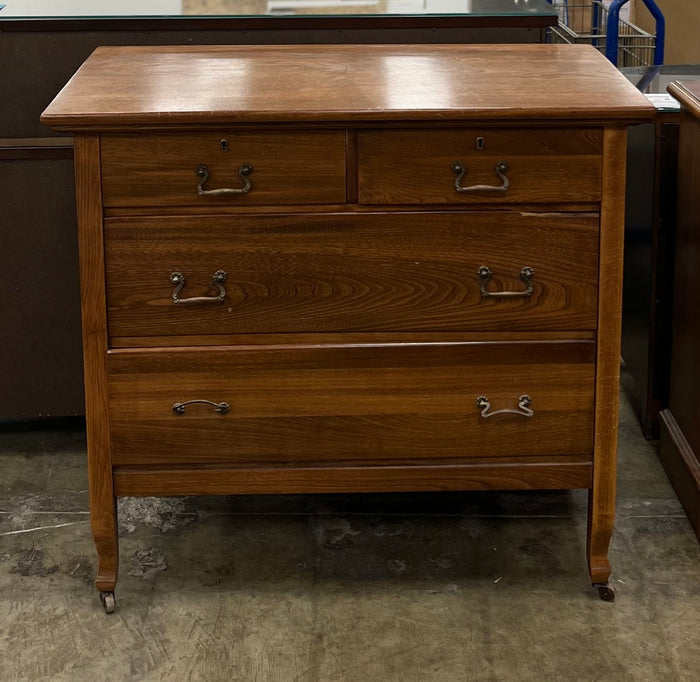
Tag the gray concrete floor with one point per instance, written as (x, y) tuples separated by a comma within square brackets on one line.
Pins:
[(393, 588)]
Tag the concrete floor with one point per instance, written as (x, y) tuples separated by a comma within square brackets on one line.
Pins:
[(393, 588)]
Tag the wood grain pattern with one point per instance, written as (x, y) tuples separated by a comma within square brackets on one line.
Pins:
[(362, 402), (94, 313), (288, 168), (166, 85), (320, 273), (344, 338), (601, 504), (360, 209), (414, 166), (257, 481), (360, 337)]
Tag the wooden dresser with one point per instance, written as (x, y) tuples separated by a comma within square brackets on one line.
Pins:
[(680, 423), (350, 268)]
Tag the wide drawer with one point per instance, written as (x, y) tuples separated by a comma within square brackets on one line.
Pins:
[(165, 169), (350, 272), (418, 166), (410, 401)]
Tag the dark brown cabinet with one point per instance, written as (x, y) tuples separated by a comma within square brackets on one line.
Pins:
[(680, 423)]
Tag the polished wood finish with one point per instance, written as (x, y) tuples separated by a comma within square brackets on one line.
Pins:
[(687, 93), (352, 479), (343, 338), (288, 168), (94, 313), (268, 84), (346, 272), (680, 423), (365, 402), (354, 341), (414, 166), (601, 496), (290, 209)]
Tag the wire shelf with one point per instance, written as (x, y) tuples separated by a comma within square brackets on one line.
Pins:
[(585, 21)]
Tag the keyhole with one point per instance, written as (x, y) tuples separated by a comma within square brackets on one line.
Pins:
[(480, 143), (223, 145)]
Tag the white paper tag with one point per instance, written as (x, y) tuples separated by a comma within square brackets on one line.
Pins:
[(662, 100)]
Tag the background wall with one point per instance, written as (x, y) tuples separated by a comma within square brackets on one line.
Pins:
[(682, 28)]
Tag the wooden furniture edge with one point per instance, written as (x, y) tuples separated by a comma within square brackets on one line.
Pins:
[(601, 499), (127, 343), (682, 466), (36, 148), (685, 96), (266, 23), (257, 481), (94, 331), (361, 118)]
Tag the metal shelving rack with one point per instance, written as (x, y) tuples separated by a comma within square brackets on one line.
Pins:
[(598, 23)]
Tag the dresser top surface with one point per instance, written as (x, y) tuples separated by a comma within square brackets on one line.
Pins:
[(160, 85)]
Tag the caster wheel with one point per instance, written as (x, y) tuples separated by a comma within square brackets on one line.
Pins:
[(605, 591), (107, 599)]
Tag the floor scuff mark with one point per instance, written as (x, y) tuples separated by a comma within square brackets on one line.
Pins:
[(147, 563), (31, 562)]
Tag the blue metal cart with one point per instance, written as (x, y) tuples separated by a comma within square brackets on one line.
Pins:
[(599, 23)]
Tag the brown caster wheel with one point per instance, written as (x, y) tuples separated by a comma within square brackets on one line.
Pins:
[(107, 599), (605, 591)]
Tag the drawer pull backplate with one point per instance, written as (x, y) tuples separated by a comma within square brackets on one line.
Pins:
[(526, 274), (218, 279), (482, 402), (202, 172), (460, 169), (221, 408)]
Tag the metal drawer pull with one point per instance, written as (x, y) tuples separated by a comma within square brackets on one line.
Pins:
[(203, 172), (460, 169), (482, 402), (218, 279), (221, 408), (526, 274)]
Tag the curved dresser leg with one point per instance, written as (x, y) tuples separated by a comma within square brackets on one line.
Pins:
[(601, 496), (103, 511), (600, 527), (104, 532)]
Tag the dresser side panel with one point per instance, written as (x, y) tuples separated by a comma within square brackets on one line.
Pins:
[(601, 504), (94, 319)]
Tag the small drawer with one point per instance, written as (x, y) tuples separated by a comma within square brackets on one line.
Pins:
[(489, 166), (410, 402), (474, 271), (193, 169)]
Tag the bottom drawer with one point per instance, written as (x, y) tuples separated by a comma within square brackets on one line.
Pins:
[(335, 403)]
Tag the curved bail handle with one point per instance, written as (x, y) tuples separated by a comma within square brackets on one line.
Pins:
[(202, 172), (218, 279), (221, 408), (460, 169), (523, 409), (485, 275)]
